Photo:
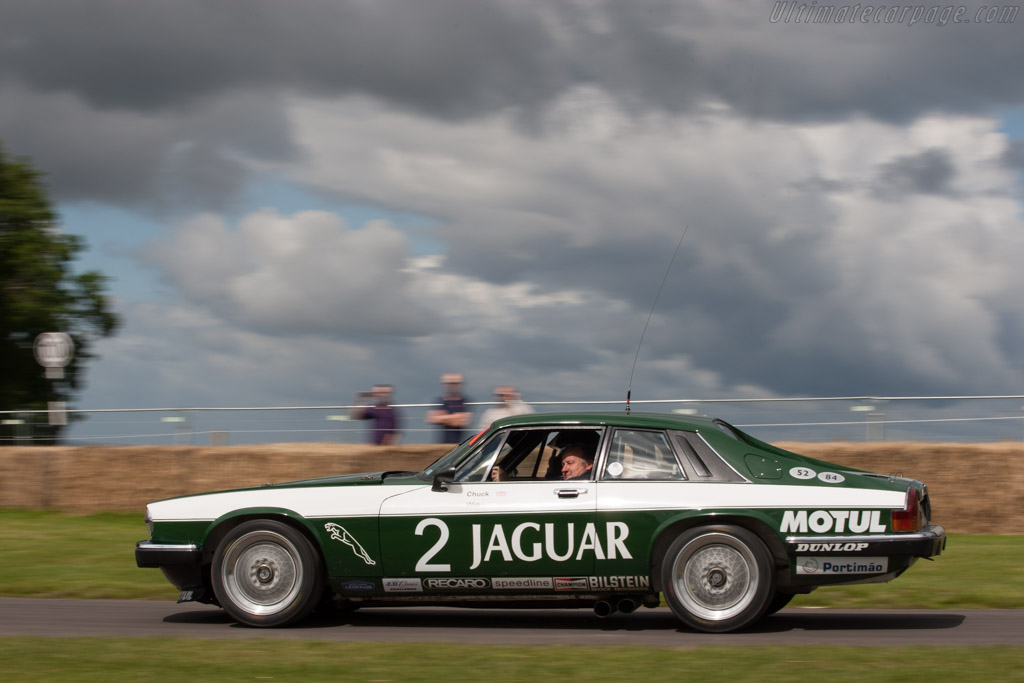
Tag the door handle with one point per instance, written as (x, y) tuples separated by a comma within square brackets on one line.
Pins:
[(569, 493)]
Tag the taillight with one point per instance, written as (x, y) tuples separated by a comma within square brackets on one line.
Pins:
[(909, 518)]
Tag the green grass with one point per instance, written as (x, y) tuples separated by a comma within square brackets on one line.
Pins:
[(92, 659), (50, 554), (54, 555), (973, 572)]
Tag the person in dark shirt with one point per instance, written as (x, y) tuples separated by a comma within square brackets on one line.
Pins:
[(454, 415), (376, 406)]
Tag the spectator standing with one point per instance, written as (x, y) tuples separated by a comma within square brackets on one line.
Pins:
[(511, 403), (454, 416), (376, 405)]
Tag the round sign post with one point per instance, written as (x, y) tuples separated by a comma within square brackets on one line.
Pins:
[(54, 350)]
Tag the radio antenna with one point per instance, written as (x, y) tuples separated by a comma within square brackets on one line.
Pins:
[(629, 389)]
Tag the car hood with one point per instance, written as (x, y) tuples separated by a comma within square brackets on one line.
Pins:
[(349, 494)]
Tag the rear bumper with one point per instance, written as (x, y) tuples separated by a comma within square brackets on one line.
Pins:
[(930, 541)]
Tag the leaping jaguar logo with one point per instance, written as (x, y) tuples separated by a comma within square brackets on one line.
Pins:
[(339, 533)]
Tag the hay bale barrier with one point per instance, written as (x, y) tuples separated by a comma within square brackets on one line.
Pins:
[(975, 488)]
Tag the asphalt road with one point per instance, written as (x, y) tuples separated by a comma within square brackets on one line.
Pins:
[(137, 618)]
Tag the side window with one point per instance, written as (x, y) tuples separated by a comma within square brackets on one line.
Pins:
[(530, 455), (700, 460), (641, 455)]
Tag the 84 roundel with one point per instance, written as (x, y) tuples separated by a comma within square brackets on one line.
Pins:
[(728, 528)]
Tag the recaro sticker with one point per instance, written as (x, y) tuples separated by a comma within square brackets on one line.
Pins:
[(468, 583)]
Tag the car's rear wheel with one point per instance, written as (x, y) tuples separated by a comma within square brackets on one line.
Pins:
[(718, 578), (266, 573)]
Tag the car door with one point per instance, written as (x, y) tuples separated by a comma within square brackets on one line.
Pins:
[(642, 487), (481, 534)]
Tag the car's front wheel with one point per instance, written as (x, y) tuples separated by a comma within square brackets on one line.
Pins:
[(718, 578), (266, 573)]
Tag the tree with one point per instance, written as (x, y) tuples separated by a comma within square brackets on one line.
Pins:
[(40, 292)]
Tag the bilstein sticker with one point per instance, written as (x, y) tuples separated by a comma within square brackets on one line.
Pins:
[(841, 565), (822, 521), (619, 582)]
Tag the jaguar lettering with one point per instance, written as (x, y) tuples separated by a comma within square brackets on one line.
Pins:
[(824, 521), (531, 541)]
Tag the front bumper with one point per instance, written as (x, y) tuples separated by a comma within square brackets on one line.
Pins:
[(153, 555), (929, 541), (181, 564)]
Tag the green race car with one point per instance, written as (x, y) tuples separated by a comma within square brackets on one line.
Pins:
[(601, 510)]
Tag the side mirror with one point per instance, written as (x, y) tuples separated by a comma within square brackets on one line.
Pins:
[(442, 479)]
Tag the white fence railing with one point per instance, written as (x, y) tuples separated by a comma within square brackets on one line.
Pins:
[(836, 418)]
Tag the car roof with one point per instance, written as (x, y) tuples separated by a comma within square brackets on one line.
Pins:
[(608, 418)]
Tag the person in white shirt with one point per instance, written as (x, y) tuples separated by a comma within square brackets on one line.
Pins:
[(511, 404)]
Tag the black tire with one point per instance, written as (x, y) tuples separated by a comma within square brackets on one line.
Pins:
[(266, 573), (778, 602), (718, 578)]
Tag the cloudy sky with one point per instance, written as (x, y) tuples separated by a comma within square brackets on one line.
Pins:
[(298, 199)]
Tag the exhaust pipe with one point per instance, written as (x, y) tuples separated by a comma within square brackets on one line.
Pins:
[(626, 605), (603, 608)]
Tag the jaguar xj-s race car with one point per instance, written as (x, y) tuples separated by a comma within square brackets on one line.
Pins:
[(593, 510)]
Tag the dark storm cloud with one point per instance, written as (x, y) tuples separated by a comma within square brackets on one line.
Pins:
[(174, 163), (929, 172), (219, 73), (463, 57)]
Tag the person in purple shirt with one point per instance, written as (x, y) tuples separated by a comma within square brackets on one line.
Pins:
[(376, 405)]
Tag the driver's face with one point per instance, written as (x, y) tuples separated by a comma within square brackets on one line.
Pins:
[(574, 464)]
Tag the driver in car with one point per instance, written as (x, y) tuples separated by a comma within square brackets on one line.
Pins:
[(576, 462)]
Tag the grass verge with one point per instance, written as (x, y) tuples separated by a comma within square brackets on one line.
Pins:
[(169, 660)]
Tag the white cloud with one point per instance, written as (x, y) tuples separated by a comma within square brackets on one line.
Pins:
[(785, 219)]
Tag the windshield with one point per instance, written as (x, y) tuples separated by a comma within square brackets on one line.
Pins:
[(450, 459)]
